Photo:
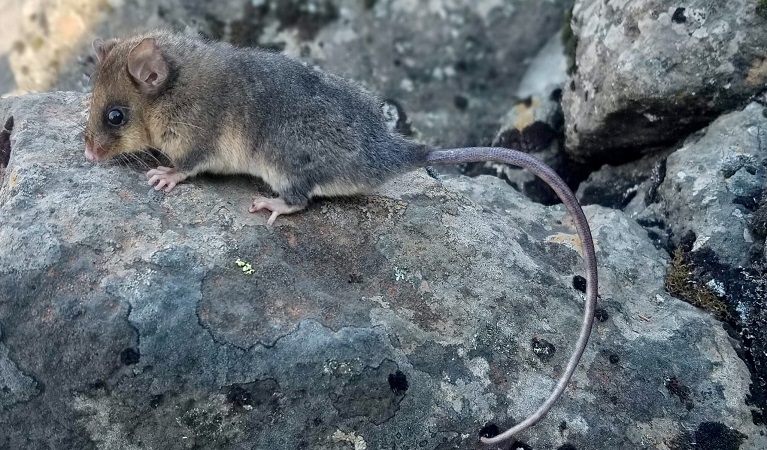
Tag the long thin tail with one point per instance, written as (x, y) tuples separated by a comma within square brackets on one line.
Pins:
[(516, 158)]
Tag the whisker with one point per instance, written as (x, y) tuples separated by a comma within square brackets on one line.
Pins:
[(163, 154), (185, 123), (147, 152), (142, 163)]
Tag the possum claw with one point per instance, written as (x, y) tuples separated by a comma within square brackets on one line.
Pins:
[(277, 206), (164, 177)]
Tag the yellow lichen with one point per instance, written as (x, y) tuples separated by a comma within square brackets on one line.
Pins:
[(680, 283)]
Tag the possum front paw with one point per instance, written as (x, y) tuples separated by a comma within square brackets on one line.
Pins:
[(276, 205), (164, 177)]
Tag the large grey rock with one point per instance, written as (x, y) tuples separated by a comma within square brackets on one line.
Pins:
[(450, 64), (127, 322), (705, 200), (712, 186), (648, 72)]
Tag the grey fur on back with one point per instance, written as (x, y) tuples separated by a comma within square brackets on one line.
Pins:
[(315, 127)]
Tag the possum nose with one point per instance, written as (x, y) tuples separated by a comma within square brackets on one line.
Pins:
[(89, 154)]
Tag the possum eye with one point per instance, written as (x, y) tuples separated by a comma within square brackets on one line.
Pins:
[(115, 117)]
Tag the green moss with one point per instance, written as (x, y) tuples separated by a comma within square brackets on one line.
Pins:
[(570, 42), (761, 8), (680, 283)]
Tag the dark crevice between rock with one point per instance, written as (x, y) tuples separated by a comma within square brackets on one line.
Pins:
[(630, 133), (398, 382), (688, 277), (5, 144)]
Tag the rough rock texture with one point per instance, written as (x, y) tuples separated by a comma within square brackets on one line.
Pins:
[(705, 201), (713, 184), (649, 72), (450, 95), (409, 318)]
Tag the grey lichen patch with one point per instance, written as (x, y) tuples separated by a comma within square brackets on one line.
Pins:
[(679, 282), (210, 422)]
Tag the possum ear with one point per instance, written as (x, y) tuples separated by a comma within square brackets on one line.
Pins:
[(147, 66), (102, 48)]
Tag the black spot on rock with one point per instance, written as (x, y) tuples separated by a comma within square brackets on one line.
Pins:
[(130, 356), (239, 397), (460, 102), (687, 241), (614, 359), (676, 388), (156, 401), (398, 382), (567, 447), (489, 431), (543, 349), (562, 426), (355, 278), (556, 95), (601, 314), (678, 16), (579, 283), (747, 201)]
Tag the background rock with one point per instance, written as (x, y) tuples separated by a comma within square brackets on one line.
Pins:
[(454, 96), (9, 23), (124, 311), (650, 72), (706, 205), (535, 125)]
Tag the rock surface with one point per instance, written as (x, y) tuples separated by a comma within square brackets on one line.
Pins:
[(705, 201), (649, 72), (713, 184), (408, 318)]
